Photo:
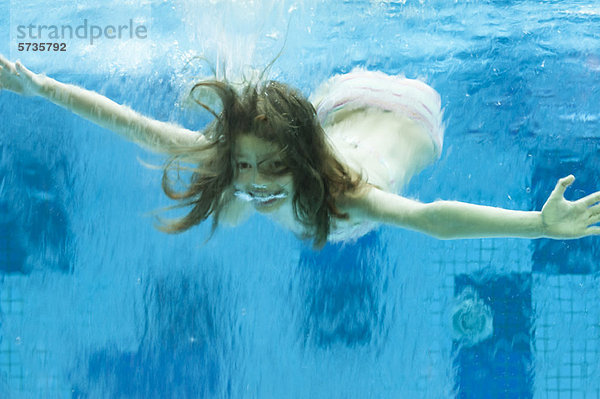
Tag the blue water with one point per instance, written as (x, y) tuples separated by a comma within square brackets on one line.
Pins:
[(95, 303)]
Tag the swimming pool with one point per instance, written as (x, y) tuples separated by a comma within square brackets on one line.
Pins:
[(96, 303)]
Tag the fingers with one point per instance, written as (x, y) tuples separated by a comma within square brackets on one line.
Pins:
[(562, 185), (21, 69), (7, 65), (593, 231), (594, 214), (3, 65), (3, 61), (590, 199), (12, 67)]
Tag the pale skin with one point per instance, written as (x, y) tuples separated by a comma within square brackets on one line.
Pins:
[(271, 195)]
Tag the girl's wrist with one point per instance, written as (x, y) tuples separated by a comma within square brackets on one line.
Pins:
[(43, 86), (542, 227)]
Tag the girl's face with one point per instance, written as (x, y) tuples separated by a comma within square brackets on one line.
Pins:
[(261, 176)]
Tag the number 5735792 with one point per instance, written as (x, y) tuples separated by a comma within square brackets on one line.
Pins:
[(42, 46)]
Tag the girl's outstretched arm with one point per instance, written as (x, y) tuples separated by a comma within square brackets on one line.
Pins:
[(559, 218), (149, 133)]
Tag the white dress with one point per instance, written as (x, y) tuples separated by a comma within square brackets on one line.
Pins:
[(370, 150)]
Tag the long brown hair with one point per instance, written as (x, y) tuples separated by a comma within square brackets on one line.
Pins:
[(279, 114)]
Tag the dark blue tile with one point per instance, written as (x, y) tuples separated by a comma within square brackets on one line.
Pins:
[(500, 366), (168, 364), (340, 286), (574, 157)]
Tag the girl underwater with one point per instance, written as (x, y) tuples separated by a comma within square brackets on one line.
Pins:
[(328, 169)]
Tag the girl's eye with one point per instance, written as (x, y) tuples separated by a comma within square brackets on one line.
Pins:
[(243, 165), (276, 166)]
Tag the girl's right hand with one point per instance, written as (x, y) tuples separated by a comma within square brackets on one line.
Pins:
[(15, 77)]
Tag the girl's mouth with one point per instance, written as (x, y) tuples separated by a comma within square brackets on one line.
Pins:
[(261, 199)]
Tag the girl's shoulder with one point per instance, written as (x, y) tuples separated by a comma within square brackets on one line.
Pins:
[(354, 202), (358, 223)]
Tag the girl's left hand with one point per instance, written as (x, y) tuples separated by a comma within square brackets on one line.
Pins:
[(15, 77), (570, 219)]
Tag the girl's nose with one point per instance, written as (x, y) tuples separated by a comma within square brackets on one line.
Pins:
[(257, 179)]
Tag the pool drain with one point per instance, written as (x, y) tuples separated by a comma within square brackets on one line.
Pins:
[(471, 319)]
